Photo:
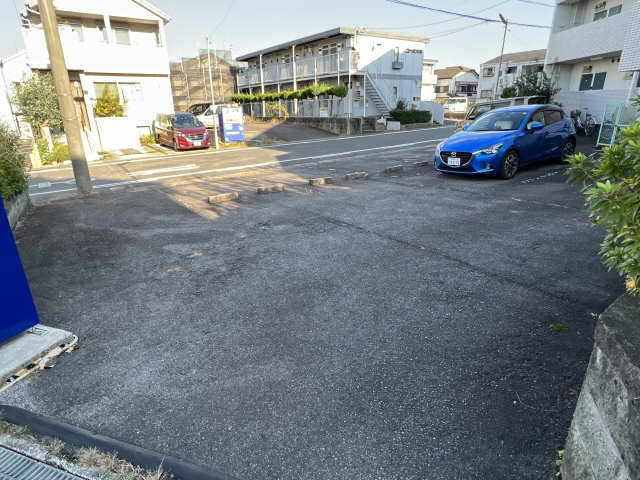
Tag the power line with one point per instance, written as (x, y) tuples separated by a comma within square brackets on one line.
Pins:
[(463, 15), (533, 2), (224, 18), (442, 21), (456, 30)]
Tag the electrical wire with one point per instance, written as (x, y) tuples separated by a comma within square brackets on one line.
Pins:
[(224, 18), (442, 21), (451, 32), (533, 2), (462, 15)]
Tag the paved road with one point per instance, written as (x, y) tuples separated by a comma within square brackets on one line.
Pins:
[(54, 182), (389, 328)]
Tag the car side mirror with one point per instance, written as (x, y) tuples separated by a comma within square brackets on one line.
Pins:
[(464, 127), (535, 126)]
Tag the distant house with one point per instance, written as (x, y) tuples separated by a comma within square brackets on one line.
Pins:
[(593, 53), (456, 81), (119, 44), (383, 67), (513, 64), (429, 80)]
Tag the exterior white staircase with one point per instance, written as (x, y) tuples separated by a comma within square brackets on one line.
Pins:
[(376, 98)]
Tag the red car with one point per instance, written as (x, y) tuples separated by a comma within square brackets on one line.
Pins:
[(182, 131)]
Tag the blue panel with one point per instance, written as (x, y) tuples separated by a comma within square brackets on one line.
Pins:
[(231, 124), (18, 313)]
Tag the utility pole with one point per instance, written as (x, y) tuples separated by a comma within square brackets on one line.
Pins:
[(504, 37), (213, 98), (65, 99), (219, 68)]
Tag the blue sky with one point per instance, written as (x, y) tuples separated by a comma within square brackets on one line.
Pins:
[(249, 25)]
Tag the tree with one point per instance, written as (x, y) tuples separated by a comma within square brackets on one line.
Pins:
[(612, 187), (38, 102), (531, 83), (108, 104)]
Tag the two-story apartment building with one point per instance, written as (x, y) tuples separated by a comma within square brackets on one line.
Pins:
[(118, 44), (513, 65), (585, 46), (456, 81), (429, 80), (383, 67)]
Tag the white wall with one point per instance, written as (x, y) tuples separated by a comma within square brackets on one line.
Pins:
[(119, 8), (590, 39), (154, 95), (14, 70)]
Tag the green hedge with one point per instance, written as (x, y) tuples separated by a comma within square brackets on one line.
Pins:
[(313, 91), (13, 178), (411, 116)]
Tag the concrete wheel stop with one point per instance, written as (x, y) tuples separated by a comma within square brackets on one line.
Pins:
[(32, 350)]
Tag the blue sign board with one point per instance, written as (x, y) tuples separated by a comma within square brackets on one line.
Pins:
[(18, 311), (231, 124)]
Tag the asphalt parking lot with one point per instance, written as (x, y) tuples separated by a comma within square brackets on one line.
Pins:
[(396, 327)]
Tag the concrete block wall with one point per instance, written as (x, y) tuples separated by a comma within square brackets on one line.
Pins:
[(604, 438)]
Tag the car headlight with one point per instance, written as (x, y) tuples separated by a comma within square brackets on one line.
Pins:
[(492, 149), (438, 147)]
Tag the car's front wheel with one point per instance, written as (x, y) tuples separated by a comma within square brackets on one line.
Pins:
[(510, 165)]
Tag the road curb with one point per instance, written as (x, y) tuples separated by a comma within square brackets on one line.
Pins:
[(271, 189), (320, 181), (423, 164), (79, 437), (394, 169), (356, 175), (224, 197)]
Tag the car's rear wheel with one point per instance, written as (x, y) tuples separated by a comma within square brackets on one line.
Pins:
[(510, 165), (568, 150)]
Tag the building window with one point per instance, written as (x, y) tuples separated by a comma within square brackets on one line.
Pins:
[(599, 15), (122, 35), (102, 33), (598, 81), (103, 87), (511, 70), (615, 10), (485, 93), (488, 72), (73, 30), (585, 81)]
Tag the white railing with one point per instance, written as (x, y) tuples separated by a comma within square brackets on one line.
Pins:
[(306, 68), (318, 108)]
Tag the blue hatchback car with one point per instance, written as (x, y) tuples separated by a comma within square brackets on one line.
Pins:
[(501, 141)]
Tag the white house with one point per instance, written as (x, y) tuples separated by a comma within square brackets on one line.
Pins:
[(383, 67), (13, 69), (585, 46), (456, 81), (429, 80), (513, 65), (116, 43)]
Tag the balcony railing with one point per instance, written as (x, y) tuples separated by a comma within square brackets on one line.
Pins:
[(306, 68)]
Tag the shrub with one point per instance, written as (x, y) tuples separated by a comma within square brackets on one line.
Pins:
[(509, 92), (148, 139), (108, 104), (404, 116), (8, 138), (13, 178), (340, 91), (58, 154), (612, 188)]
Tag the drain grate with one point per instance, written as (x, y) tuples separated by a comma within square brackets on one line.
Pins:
[(14, 466)]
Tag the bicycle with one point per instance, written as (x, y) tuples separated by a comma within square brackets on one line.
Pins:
[(588, 127)]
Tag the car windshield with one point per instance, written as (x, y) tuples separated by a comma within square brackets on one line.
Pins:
[(182, 121), (498, 121)]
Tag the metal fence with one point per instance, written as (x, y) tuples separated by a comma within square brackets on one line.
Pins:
[(615, 118), (331, 107)]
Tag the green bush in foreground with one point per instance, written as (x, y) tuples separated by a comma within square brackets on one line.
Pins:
[(13, 178), (612, 189), (149, 139)]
